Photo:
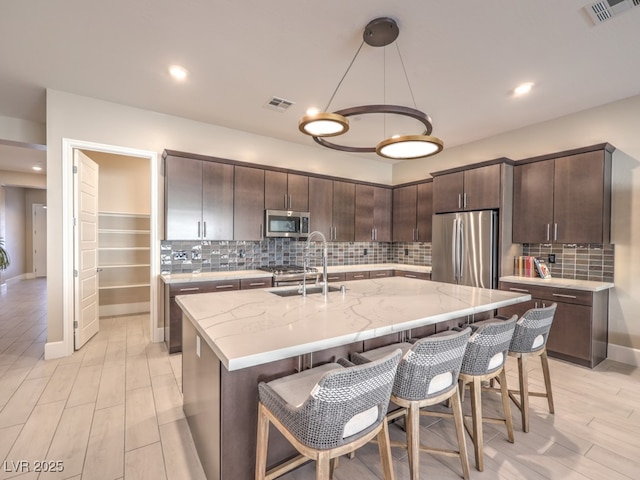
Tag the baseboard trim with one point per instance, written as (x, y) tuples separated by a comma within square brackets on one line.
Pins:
[(55, 350), (123, 309), (628, 355), (158, 335)]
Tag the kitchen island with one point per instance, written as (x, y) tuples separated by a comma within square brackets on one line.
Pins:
[(233, 340)]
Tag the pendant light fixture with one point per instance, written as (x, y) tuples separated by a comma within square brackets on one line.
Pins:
[(380, 32)]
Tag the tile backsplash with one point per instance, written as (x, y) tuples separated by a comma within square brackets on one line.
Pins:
[(210, 256), (573, 261), (576, 261)]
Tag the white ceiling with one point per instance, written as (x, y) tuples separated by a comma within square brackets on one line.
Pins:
[(462, 60)]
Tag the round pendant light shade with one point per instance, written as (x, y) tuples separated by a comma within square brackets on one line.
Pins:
[(323, 124), (407, 147)]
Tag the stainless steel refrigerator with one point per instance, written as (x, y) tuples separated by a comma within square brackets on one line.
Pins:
[(464, 248)]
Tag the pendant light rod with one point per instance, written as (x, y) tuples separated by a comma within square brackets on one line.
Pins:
[(343, 76)]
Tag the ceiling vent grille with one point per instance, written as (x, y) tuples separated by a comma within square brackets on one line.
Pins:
[(278, 104), (607, 9)]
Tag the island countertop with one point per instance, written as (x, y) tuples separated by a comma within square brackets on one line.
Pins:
[(253, 327)]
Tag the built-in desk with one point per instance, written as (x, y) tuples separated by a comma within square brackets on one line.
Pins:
[(233, 340)]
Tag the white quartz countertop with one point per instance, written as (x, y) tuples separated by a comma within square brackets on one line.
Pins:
[(251, 327), (588, 285), (170, 278)]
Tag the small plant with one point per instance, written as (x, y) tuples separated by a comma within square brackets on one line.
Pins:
[(4, 256)]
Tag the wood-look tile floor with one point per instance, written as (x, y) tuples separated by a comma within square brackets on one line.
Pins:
[(114, 410)]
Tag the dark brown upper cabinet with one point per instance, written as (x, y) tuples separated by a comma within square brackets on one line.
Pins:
[(286, 191), (198, 199), (564, 198), (470, 189), (332, 208), (344, 211), (412, 211), (248, 205), (372, 213)]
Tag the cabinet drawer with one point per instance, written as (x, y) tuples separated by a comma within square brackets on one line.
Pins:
[(381, 273), (336, 277), (356, 276), (418, 275), (565, 295), (249, 283), (203, 287)]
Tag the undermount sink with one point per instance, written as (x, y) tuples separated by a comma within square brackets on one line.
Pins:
[(295, 292)]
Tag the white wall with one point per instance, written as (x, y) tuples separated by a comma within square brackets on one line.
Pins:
[(23, 131), (81, 118), (617, 123), (14, 231)]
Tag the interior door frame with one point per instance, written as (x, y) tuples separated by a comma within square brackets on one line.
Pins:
[(68, 249), (34, 208)]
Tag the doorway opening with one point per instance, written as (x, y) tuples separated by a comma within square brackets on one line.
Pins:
[(119, 246)]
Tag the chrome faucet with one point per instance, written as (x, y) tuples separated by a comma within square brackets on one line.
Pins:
[(325, 258)]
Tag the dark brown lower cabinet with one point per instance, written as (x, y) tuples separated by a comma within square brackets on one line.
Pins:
[(173, 313), (579, 332)]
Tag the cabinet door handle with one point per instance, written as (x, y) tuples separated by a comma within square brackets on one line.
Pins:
[(523, 290), (417, 234), (358, 276), (198, 229), (290, 203), (225, 286), (410, 276), (285, 201), (464, 202), (563, 295), (548, 231), (555, 232), (257, 284), (204, 229), (459, 200), (381, 274), (261, 232), (192, 289)]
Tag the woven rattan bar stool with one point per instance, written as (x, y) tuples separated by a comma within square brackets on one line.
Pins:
[(327, 411), (484, 360), (427, 375), (530, 340)]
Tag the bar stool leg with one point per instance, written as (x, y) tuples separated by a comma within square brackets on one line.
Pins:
[(505, 404), (323, 469), (413, 439), (456, 408), (523, 376), (547, 379), (476, 416), (262, 444), (384, 447)]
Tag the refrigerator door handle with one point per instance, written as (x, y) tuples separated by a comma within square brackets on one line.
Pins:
[(461, 252), (454, 242)]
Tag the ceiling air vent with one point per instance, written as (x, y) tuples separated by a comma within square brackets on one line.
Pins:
[(607, 9), (278, 104)]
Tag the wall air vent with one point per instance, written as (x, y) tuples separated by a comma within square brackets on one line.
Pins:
[(607, 9), (278, 104)]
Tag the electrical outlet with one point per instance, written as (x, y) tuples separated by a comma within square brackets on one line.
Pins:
[(552, 258), (366, 251)]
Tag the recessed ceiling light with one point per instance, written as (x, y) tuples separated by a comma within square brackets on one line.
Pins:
[(178, 72), (36, 168), (523, 88)]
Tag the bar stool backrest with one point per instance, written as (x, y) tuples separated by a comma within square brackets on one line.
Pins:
[(488, 347), (431, 366), (532, 329), (338, 397)]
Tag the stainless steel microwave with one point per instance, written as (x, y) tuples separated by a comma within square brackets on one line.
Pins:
[(286, 223)]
